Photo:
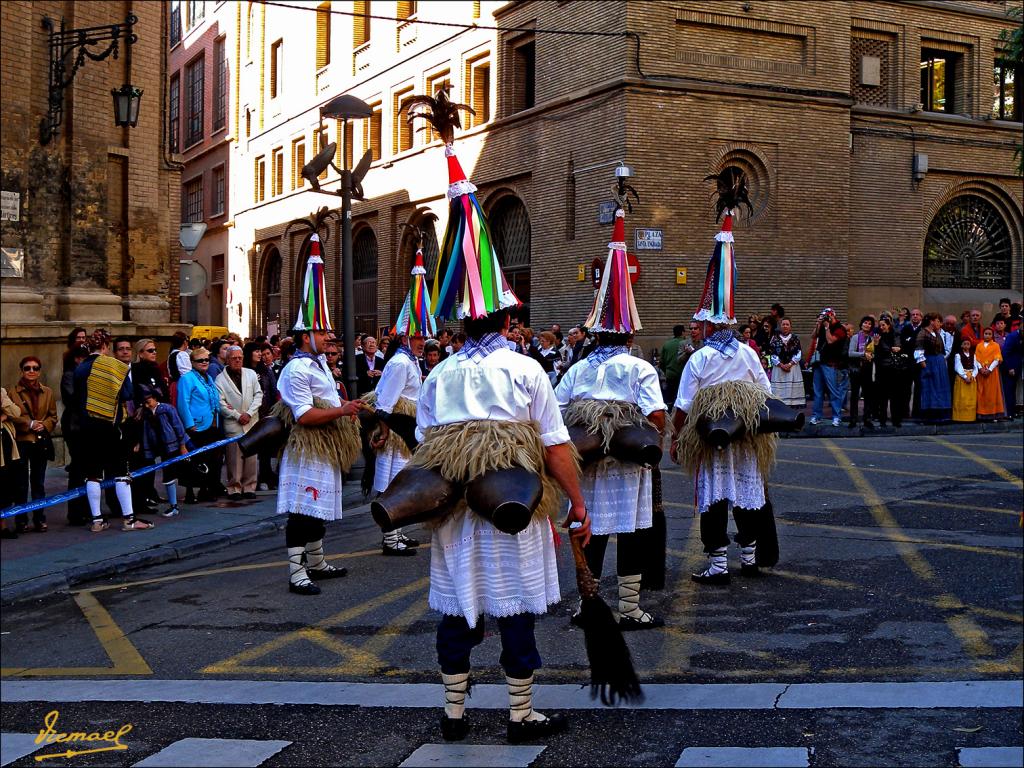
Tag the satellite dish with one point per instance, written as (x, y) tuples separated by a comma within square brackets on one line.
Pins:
[(312, 170), (193, 278)]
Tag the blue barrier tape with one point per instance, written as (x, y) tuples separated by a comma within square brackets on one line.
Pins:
[(74, 493)]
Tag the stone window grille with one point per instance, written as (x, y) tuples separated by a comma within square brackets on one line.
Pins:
[(968, 246)]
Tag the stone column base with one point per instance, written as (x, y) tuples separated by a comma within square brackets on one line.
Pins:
[(87, 304)]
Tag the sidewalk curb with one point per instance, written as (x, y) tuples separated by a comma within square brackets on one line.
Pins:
[(907, 430), (66, 580)]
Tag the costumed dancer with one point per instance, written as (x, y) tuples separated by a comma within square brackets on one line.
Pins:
[(724, 374), (397, 393), (322, 442), (929, 354), (610, 389), (481, 409)]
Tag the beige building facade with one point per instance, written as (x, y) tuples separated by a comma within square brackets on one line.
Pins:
[(878, 138)]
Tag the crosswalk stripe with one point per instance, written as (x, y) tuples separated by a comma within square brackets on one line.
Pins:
[(668, 696), (991, 757), (743, 757), (14, 746), (214, 753), (483, 755)]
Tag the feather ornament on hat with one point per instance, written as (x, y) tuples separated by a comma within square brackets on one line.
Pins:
[(313, 309), (717, 300), (415, 319), (614, 309), (468, 282)]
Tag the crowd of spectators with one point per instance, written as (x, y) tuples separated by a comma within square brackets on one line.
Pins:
[(891, 366)]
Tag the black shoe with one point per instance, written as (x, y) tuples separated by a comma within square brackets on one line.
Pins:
[(576, 619), (869, 424), (392, 552), (248, 495), (7, 533), (531, 730), (454, 728), (629, 624), (330, 572), (851, 424), (408, 540), (750, 571), (234, 497), (304, 589), (719, 579)]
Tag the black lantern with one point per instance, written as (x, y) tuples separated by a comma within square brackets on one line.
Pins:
[(126, 105)]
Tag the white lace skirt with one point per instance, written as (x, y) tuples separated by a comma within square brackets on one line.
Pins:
[(788, 386), (309, 487), (389, 464), (618, 496), (731, 476), (476, 569)]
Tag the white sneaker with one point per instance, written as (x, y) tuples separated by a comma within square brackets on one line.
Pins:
[(815, 420), (263, 487), (170, 512), (837, 422)]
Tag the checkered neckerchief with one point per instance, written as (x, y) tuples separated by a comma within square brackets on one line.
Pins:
[(477, 349), (600, 354)]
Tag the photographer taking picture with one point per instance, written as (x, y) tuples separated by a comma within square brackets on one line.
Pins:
[(831, 371)]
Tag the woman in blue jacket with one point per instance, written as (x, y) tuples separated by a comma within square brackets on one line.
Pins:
[(199, 409)]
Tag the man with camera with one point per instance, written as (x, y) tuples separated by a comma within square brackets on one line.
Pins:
[(831, 371)]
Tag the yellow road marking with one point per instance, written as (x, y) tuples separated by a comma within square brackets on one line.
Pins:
[(126, 659), (998, 552), (239, 662), (679, 624), (218, 571), (971, 636), (900, 472), (993, 444), (988, 464)]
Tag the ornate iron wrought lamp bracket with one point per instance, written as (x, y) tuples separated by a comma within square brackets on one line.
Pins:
[(69, 49)]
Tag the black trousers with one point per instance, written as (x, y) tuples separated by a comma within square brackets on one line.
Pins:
[(29, 474), (861, 384), (889, 387), (629, 553), (519, 655), (78, 509), (214, 460), (714, 526), (302, 529)]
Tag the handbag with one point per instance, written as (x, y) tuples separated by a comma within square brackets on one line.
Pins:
[(45, 440)]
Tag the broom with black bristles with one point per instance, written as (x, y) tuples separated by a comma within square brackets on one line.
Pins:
[(612, 676)]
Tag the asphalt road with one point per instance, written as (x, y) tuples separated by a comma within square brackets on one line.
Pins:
[(901, 562)]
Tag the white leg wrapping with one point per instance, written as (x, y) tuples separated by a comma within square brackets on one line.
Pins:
[(520, 700), (717, 562), (296, 571), (455, 688), (124, 498), (315, 560), (629, 598), (748, 554), (93, 493)]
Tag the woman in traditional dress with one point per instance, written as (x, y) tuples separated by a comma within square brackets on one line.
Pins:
[(787, 380), (990, 390), (965, 388), (929, 354)]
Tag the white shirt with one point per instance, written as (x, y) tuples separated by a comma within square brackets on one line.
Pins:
[(301, 380), (400, 378), (184, 361), (708, 366), (622, 377), (504, 386), (947, 341)]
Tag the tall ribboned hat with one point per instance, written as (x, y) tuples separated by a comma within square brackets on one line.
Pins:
[(415, 319), (313, 312), (468, 283), (614, 309), (716, 302)]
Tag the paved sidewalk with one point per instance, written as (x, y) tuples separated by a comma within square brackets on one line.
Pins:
[(35, 565), (38, 564)]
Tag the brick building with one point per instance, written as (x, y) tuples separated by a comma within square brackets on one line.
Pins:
[(878, 138), (91, 235), (202, 124)]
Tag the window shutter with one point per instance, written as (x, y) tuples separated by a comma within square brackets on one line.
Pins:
[(323, 36)]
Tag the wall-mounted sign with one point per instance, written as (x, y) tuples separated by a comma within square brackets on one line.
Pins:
[(10, 206), (596, 268), (648, 239), (633, 266), (12, 262), (606, 212), (680, 275), (581, 272)]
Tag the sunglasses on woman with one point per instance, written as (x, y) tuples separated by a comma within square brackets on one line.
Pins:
[(28, 368), (150, 351)]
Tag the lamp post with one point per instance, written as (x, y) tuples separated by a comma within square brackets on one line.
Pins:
[(69, 48), (344, 108)]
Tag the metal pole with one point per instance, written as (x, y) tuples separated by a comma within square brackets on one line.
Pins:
[(348, 306)]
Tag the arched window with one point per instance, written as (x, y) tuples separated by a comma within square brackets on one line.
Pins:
[(510, 228), (364, 280), (272, 292), (431, 251), (968, 246)]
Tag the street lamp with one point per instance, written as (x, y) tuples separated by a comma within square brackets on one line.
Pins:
[(70, 48), (344, 108)]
